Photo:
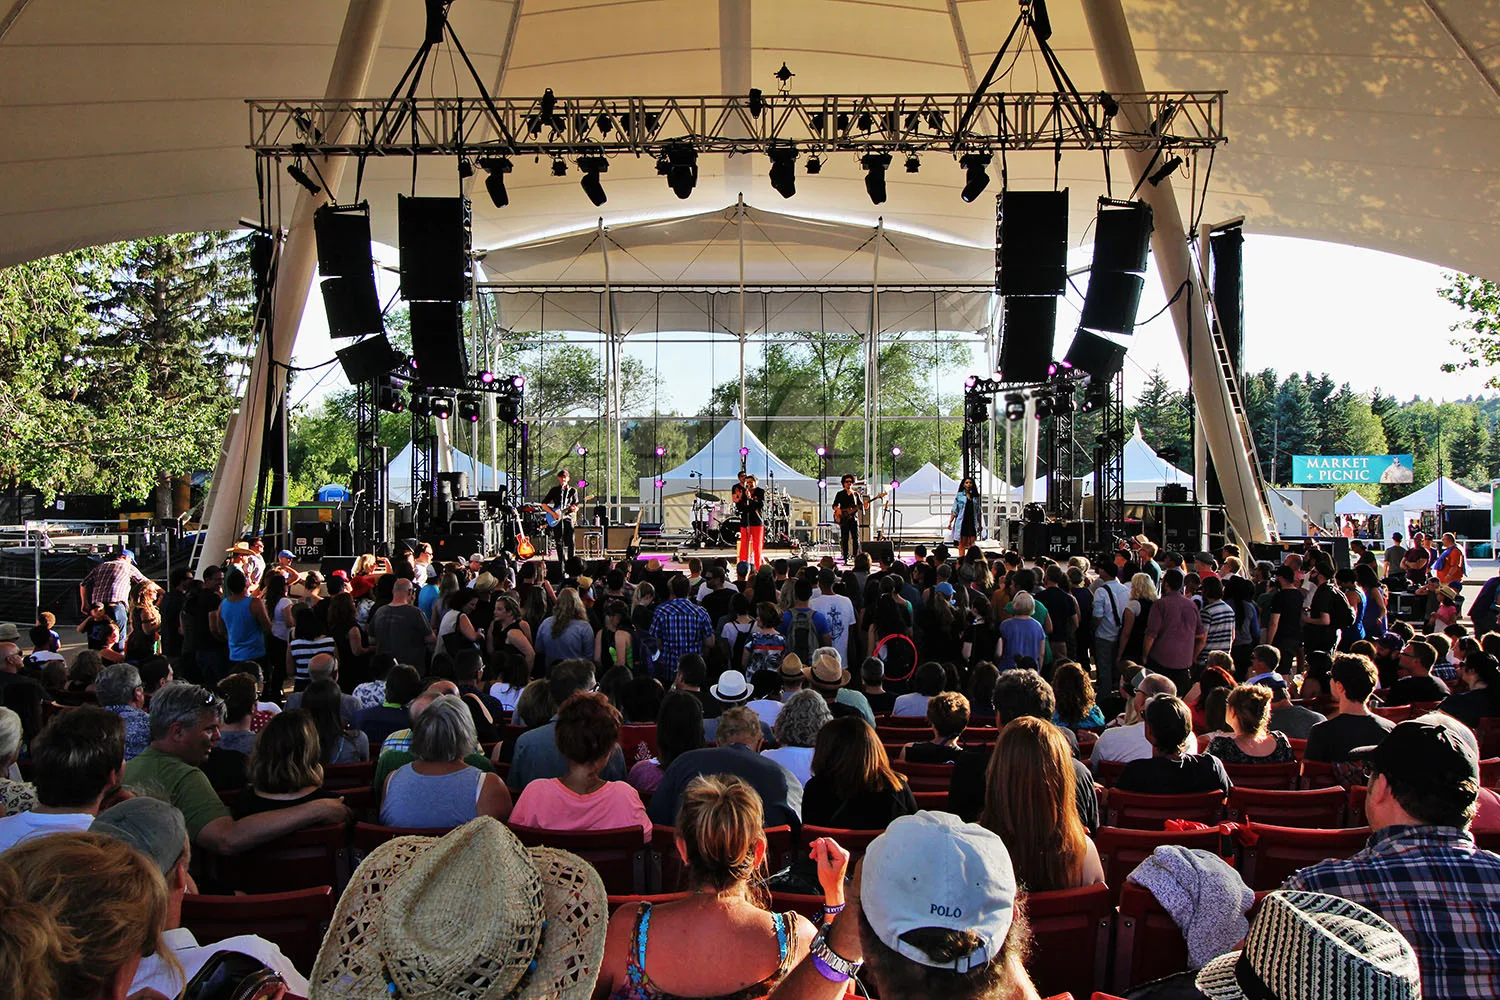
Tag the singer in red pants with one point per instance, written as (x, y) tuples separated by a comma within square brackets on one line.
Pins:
[(752, 528)]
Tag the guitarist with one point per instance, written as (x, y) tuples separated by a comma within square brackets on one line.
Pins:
[(562, 502), (847, 506)]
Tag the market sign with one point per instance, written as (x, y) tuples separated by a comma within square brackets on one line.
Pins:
[(1331, 470)]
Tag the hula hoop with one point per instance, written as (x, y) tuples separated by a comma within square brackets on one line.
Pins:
[(904, 638)]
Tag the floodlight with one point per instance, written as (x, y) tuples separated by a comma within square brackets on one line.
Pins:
[(913, 163), (442, 407), (1165, 170), (296, 173), (494, 181), (468, 408), (976, 177), (784, 170), (592, 167), (681, 168), (875, 165)]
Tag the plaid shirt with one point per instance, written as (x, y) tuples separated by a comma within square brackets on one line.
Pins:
[(137, 728), (682, 627), (1439, 890), (109, 582)]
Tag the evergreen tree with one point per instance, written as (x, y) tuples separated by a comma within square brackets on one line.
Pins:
[(1296, 427), (1164, 418)]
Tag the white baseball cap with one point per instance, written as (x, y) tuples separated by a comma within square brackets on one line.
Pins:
[(934, 870)]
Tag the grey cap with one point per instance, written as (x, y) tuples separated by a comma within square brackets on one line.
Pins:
[(151, 826)]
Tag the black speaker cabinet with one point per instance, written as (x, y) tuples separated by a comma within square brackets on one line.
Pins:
[(331, 563), (1054, 539), (433, 235), (878, 550)]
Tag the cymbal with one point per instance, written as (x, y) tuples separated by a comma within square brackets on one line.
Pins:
[(710, 498)]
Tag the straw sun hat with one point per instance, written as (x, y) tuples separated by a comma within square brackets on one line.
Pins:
[(472, 915)]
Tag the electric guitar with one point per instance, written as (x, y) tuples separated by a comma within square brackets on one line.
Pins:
[(553, 517), (847, 513), (524, 548), (634, 548)]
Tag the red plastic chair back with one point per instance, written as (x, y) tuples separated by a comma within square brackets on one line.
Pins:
[(1319, 774), (1269, 854), (1488, 840), (780, 848), (935, 801), (365, 837), (1355, 816), (294, 921), (1489, 772), (1108, 772), (980, 735), (1140, 811), (1299, 747), (317, 855), (666, 871), (1395, 713), (925, 777), (359, 775), (900, 735), (810, 906), (901, 722), (1273, 776), (615, 902), (1489, 737), (1423, 707), (619, 855), (1086, 744), (1318, 808), (1121, 850), (1148, 943), (1070, 931)]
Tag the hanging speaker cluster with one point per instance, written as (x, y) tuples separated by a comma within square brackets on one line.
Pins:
[(1033, 265), (1122, 240), (436, 279), (347, 271)]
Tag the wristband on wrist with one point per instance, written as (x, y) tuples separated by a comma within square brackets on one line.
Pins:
[(824, 954), (827, 972), (829, 911)]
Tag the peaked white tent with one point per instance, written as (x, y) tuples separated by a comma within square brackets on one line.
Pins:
[(924, 499), (1145, 470), (1354, 503), (399, 473), (718, 464), (1394, 514)]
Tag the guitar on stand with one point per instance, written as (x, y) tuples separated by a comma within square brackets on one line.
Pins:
[(634, 548)]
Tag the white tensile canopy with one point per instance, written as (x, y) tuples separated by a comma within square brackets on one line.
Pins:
[(1450, 493), (1354, 502)]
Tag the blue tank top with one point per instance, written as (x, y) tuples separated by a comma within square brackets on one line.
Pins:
[(431, 801), (246, 641)]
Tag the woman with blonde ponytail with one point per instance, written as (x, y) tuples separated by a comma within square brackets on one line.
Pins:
[(719, 941)]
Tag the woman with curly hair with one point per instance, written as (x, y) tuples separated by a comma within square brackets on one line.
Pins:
[(796, 729), (1075, 698)]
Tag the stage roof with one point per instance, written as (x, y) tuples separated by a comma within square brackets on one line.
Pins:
[(1369, 122)]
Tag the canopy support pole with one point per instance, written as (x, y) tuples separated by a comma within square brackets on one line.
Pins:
[(239, 459), (874, 452), (613, 484), (1223, 424), (739, 223), (1031, 431)]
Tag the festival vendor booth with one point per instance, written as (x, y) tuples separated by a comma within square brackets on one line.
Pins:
[(1352, 508), (714, 469), (1463, 510)]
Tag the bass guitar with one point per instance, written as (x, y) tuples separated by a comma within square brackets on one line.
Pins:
[(553, 516), (846, 514)]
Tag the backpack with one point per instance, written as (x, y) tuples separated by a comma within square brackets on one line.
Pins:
[(802, 637), (741, 640), (1340, 615), (645, 654)]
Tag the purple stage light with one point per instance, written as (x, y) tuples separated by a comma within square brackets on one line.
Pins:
[(660, 483), (744, 452), (487, 378), (660, 451), (822, 451)]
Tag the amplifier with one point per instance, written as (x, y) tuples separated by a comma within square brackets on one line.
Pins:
[(1054, 539), (309, 539)]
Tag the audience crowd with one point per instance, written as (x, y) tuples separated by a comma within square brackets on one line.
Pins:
[(959, 722)]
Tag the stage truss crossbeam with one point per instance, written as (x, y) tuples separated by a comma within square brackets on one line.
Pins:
[(1182, 120)]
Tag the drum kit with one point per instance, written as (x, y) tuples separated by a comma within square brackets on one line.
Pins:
[(716, 521)]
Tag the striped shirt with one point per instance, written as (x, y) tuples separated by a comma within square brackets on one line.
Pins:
[(1218, 618), (1439, 890), (303, 650)]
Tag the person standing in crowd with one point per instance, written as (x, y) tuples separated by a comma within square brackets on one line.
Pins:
[(1175, 633), (1284, 617), (108, 584), (1110, 598), (400, 629), (1421, 869), (682, 627), (242, 620), (837, 609), (966, 522), (1353, 681)]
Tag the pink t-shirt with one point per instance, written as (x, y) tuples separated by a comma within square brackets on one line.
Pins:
[(548, 804)]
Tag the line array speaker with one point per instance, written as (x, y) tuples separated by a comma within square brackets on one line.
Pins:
[(1034, 242), (368, 359), (434, 246), (1026, 345), (437, 344), (1121, 243), (347, 271)]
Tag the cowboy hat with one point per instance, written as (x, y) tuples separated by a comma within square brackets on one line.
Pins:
[(472, 915), (240, 549), (791, 667), (826, 672)]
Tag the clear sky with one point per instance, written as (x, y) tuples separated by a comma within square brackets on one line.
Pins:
[(1371, 319)]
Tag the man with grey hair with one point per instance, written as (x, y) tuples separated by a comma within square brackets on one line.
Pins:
[(185, 720), (10, 664), (156, 829), (119, 689), (738, 753), (325, 667), (1127, 743), (401, 629)]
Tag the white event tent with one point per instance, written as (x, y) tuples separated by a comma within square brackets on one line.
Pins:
[(1145, 470), (398, 473), (1394, 514), (718, 462), (1354, 502)]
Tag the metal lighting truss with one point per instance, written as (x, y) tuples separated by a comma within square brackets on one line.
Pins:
[(465, 126)]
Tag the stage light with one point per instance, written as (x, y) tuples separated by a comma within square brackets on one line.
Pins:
[(822, 484), (1015, 406), (976, 177), (465, 168), (1043, 406), (913, 163), (581, 125), (681, 168), (814, 165), (604, 123), (816, 121), (895, 484), (1109, 104), (653, 122), (486, 378), (913, 122), (660, 451), (784, 171), (592, 167), (896, 451), (420, 406), (581, 451), (842, 123), (296, 173), (559, 167), (1165, 170), (783, 75), (971, 381), (442, 407), (744, 452), (533, 124), (468, 408), (582, 483), (935, 120), (660, 483), (390, 398), (508, 409), (1063, 402), (822, 451), (875, 165), (494, 181), (518, 382), (549, 103), (757, 102), (866, 121)]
